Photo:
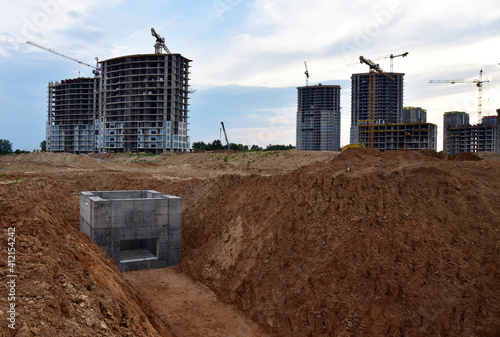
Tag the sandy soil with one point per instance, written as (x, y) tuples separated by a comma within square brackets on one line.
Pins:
[(191, 308), (284, 243)]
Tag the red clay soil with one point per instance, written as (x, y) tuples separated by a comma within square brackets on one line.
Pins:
[(306, 244), (191, 309), (369, 244), (466, 156), (66, 285)]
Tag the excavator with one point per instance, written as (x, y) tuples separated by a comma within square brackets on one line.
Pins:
[(351, 146)]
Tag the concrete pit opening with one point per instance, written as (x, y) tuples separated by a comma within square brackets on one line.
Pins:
[(138, 250), (138, 229)]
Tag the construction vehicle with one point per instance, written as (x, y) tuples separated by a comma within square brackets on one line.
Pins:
[(160, 43), (352, 146), (225, 135), (96, 68), (479, 84)]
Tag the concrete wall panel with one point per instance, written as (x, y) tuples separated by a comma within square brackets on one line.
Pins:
[(115, 216)]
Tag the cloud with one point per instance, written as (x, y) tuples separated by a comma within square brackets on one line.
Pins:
[(263, 137), (269, 47), (54, 23), (264, 43)]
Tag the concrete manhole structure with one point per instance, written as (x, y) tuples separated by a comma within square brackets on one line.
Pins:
[(138, 229)]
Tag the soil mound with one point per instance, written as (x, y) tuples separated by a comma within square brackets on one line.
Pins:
[(492, 156), (466, 156), (399, 244), (53, 158), (432, 153), (361, 243), (66, 284)]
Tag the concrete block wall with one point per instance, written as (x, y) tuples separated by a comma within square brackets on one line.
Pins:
[(112, 217)]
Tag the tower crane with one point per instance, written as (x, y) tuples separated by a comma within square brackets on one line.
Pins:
[(374, 68), (96, 68), (225, 135), (307, 74), (160, 42), (479, 83), (391, 56)]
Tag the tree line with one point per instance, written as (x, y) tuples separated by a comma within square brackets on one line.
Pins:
[(217, 145), (6, 147)]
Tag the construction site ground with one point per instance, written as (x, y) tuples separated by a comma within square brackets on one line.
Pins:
[(281, 243)]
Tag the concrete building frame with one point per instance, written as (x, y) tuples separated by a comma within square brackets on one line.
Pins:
[(388, 100), (72, 112), (144, 104), (401, 136), (318, 118)]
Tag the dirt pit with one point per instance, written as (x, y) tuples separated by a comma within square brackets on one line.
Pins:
[(191, 308), (283, 243)]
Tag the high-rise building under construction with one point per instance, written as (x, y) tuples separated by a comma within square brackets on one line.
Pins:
[(135, 103), (388, 97), (318, 118), (144, 104), (72, 112), (459, 136), (414, 115)]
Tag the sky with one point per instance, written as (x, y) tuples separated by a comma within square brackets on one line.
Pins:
[(248, 56)]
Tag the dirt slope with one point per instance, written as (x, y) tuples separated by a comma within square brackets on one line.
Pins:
[(66, 285), (306, 244), (191, 309), (369, 244)]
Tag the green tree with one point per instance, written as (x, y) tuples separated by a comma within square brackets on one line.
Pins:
[(279, 147), (5, 146), (199, 146), (237, 147), (43, 146), (216, 145)]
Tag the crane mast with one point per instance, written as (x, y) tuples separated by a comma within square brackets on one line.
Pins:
[(479, 83), (160, 43), (307, 74), (374, 68), (225, 135), (391, 56)]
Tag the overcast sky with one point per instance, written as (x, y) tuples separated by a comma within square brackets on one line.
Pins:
[(248, 56)]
